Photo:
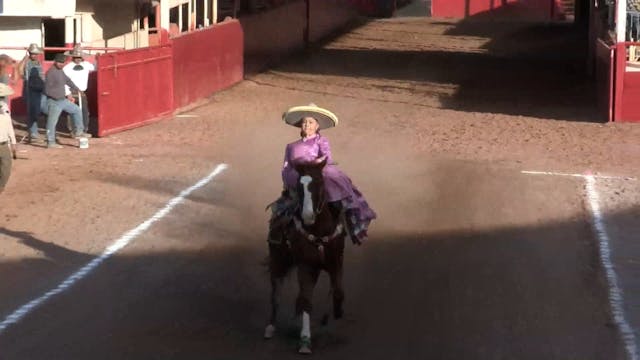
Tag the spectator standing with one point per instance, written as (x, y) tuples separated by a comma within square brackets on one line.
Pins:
[(32, 73), (78, 71), (58, 101)]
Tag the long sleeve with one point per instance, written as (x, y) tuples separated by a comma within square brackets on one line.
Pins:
[(285, 167), (70, 83), (285, 162), (325, 149)]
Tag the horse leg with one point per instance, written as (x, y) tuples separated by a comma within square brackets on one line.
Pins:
[(307, 279), (279, 265), (335, 275), (276, 289)]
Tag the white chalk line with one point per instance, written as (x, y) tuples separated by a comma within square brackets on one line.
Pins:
[(616, 299), (123, 241), (577, 175)]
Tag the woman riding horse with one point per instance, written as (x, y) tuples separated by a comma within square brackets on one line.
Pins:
[(312, 147), (308, 223)]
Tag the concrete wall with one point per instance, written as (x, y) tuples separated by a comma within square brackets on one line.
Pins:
[(110, 23), (329, 16), (272, 34), (19, 31), (40, 8)]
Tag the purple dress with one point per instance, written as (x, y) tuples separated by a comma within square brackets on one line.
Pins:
[(337, 184)]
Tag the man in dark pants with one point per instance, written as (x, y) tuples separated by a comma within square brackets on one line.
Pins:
[(57, 102), (31, 71)]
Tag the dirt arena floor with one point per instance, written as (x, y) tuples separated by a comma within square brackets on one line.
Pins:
[(469, 259)]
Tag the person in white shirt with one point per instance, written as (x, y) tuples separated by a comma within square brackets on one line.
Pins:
[(78, 71), (7, 138)]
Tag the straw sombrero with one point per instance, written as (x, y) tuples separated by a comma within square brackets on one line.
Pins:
[(325, 118), (5, 90), (34, 49), (76, 52)]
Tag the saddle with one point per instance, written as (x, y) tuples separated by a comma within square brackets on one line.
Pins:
[(283, 220)]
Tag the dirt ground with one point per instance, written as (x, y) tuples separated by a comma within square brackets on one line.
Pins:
[(469, 259)]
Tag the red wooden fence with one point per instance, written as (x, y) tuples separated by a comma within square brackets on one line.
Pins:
[(538, 10), (135, 87), (207, 60)]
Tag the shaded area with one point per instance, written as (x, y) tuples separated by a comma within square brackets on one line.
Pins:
[(518, 69), (523, 292), (32, 277), (414, 8)]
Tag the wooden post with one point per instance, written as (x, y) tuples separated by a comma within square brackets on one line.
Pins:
[(214, 8), (621, 21)]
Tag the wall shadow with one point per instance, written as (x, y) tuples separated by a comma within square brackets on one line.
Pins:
[(525, 69), (534, 292)]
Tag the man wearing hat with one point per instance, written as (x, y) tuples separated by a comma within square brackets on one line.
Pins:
[(58, 101), (78, 71), (33, 76), (7, 138)]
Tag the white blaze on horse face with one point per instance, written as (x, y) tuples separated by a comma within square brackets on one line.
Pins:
[(308, 216)]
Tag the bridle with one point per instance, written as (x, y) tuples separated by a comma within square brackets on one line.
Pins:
[(318, 241)]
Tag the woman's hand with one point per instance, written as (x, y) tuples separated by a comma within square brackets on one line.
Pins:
[(320, 159)]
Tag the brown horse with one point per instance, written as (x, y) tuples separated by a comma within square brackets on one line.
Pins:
[(313, 241)]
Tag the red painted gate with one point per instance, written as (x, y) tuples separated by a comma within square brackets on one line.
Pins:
[(135, 87), (207, 60)]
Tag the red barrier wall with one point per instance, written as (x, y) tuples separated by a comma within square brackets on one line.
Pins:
[(627, 88), (535, 10), (135, 87), (207, 60)]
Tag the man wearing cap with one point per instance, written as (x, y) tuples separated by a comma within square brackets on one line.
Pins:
[(57, 101), (7, 138), (78, 71), (31, 71)]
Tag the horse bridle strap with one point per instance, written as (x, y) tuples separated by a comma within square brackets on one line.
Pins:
[(315, 239)]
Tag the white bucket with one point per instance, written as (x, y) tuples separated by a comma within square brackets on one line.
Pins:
[(83, 143)]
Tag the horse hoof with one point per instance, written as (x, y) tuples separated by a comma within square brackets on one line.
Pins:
[(305, 346), (269, 331)]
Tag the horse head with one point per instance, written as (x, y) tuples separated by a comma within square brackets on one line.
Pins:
[(311, 191)]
